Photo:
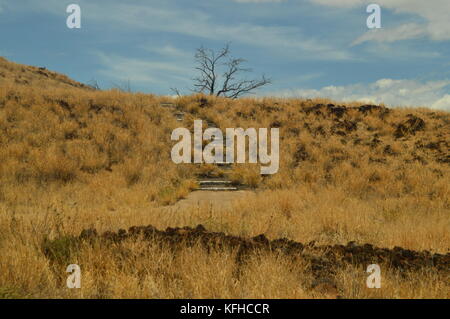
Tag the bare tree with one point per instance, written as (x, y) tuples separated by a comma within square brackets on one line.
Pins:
[(212, 81), (176, 91), (124, 87), (93, 83)]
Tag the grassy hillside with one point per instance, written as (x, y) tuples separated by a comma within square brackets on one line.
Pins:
[(68, 137), (37, 77), (347, 172), (74, 159)]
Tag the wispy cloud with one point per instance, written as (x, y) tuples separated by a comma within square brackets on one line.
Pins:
[(297, 43), (396, 52), (168, 51), (443, 103), (140, 71), (436, 25), (257, 1), (402, 32), (202, 25), (182, 20)]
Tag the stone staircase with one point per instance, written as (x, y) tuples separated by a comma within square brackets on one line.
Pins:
[(207, 183), (179, 116), (216, 185)]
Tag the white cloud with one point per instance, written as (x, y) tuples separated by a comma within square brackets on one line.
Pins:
[(402, 32), (403, 52), (171, 18), (140, 71), (257, 1), (443, 103), (340, 3), (435, 13), (389, 91), (168, 51), (200, 24)]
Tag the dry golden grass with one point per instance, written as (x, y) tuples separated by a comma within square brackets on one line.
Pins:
[(20, 74), (87, 143), (74, 158)]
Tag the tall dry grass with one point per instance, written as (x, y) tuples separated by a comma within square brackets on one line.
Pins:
[(75, 158)]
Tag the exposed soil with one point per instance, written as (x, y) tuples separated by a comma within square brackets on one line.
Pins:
[(323, 259), (212, 198)]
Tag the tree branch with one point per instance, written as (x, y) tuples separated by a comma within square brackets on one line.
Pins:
[(209, 62)]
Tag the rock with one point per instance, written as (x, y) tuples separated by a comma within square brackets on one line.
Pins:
[(410, 126)]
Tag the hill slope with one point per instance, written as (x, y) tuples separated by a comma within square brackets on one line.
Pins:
[(14, 73), (75, 159), (56, 132)]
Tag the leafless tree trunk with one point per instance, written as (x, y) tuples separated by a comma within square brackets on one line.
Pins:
[(175, 91), (210, 81)]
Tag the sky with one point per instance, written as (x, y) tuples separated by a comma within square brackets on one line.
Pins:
[(309, 48)]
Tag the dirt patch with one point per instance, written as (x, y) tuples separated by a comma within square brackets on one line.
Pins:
[(216, 199), (321, 263), (323, 259)]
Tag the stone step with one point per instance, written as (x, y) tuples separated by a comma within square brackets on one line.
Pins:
[(218, 189), (224, 164), (216, 185), (167, 104), (213, 182), (179, 116)]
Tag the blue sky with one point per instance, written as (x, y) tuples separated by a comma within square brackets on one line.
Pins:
[(308, 47)]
